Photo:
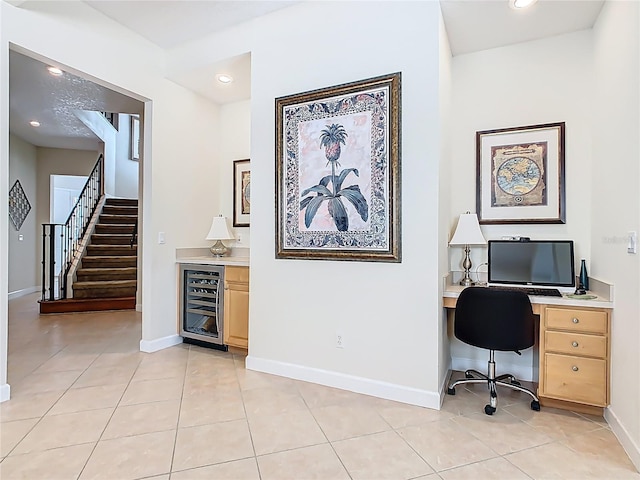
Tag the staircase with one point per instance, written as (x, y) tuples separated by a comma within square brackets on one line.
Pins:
[(107, 277)]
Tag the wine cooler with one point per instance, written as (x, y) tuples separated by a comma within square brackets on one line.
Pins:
[(201, 304)]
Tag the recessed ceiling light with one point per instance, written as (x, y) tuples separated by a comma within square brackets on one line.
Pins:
[(34, 123), (520, 4), (224, 78), (55, 71)]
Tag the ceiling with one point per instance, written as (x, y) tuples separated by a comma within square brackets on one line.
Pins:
[(472, 25)]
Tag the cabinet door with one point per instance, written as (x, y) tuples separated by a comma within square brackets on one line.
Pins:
[(576, 379), (236, 307)]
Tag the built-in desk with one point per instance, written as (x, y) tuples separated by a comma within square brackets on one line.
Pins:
[(574, 348)]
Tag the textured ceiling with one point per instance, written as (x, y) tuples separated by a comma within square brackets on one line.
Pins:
[(34, 94)]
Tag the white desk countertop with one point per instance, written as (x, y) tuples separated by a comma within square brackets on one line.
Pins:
[(602, 290)]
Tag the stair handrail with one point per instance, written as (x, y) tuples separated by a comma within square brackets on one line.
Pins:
[(72, 231)]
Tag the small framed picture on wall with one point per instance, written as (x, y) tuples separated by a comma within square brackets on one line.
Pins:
[(241, 193)]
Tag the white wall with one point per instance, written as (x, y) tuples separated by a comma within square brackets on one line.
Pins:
[(126, 170), (444, 192), (544, 81), (23, 269), (616, 205), (235, 144), (388, 313)]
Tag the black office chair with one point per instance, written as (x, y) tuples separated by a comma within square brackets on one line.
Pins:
[(494, 320)]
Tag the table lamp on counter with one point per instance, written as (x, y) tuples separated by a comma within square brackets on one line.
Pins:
[(219, 231), (467, 233)]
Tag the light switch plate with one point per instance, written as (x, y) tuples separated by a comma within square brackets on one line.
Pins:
[(632, 246)]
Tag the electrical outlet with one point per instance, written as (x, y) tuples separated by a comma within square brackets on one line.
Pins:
[(339, 340)]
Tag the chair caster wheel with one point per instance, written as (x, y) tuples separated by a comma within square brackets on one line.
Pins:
[(488, 409), (535, 405), (468, 375), (452, 391)]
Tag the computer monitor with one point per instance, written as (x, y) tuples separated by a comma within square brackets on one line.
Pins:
[(532, 262)]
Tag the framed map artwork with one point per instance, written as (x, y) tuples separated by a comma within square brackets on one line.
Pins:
[(241, 193), (520, 175)]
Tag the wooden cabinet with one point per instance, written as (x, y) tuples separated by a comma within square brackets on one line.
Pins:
[(236, 307), (575, 357)]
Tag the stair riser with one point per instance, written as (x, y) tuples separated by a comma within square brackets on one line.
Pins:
[(109, 263), (99, 250), (118, 210), (118, 219), (104, 292), (88, 305), (104, 277), (113, 228), (122, 201), (106, 239)]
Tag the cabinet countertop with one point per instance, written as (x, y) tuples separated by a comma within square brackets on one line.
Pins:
[(210, 260)]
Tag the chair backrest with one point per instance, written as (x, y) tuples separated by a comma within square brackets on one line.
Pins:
[(494, 319)]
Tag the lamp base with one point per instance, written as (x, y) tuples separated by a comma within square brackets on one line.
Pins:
[(466, 282), (218, 249), (466, 264)]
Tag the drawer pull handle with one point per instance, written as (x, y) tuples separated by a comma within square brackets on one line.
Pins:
[(575, 368), (575, 320), (574, 344)]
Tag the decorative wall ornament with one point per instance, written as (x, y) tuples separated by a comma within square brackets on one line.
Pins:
[(337, 172), (19, 206)]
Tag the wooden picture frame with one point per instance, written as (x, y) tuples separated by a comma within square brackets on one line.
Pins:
[(338, 171), (241, 193), (521, 174)]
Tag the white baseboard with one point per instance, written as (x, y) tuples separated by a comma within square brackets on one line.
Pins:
[(5, 392), (629, 444), (376, 388), (23, 292), (521, 372), (150, 346), (138, 307)]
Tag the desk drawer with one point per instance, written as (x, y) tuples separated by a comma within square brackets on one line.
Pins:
[(576, 343), (576, 320), (576, 379)]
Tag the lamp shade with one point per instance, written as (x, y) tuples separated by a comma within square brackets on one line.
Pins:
[(468, 231), (219, 229)]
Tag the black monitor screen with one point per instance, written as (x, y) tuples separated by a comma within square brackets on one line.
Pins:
[(534, 262)]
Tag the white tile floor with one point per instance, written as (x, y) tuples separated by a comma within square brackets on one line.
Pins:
[(87, 404)]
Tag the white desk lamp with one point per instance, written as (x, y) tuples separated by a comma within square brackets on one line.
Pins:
[(219, 231), (467, 233)]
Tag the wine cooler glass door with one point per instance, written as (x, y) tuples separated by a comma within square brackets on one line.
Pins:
[(202, 303)]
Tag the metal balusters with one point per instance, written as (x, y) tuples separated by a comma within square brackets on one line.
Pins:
[(71, 234)]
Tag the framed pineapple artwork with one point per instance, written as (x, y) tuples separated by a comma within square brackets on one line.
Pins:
[(337, 172)]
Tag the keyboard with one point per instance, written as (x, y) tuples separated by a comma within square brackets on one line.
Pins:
[(545, 292)]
